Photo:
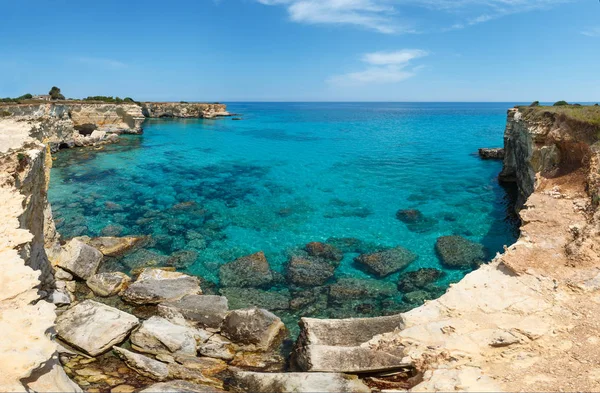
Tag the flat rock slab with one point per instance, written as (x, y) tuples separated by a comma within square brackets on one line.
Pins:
[(179, 386), (206, 311), (384, 263), (114, 246), (79, 259), (154, 286), (108, 284), (144, 365), (249, 271), (341, 345), (157, 335), (297, 382), (94, 327), (254, 327)]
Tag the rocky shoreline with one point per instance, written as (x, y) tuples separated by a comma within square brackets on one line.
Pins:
[(505, 317)]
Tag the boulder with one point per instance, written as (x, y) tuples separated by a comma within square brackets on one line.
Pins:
[(496, 153), (143, 365), (255, 328), (207, 311), (218, 347), (157, 335), (249, 271), (108, 284), (115, 246), (340, 345), (418, 279), (154, 286), (253, 297), (179, 386), (94, 327), (384, 263), (249, 381), (325, 251), (458, 252), (79, 259), (309, 271)]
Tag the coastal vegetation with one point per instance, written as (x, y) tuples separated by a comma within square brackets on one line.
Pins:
[(17, 99), (55, 93), (111, 100), (589, 114)]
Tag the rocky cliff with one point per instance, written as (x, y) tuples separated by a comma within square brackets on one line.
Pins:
[(183, 110)]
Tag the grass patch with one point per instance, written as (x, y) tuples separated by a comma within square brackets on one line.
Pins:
[(586, 114)]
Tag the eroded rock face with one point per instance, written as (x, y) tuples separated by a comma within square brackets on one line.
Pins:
[(384, 263), (158, 335), (183, 110), (207, 311), (249, 271), (154, 286), (341, 345), (143, 364), (491, 153), (94, 327), (108, 284), (458, 252), (79, 259), (296, 382), (309, 271), (254, 327)]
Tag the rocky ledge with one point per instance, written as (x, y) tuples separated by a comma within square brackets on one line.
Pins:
[(184, 109), (526, 321)]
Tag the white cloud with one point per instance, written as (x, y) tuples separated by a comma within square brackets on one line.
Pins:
[(384, 67), (592, 32), (101, 62), (384, 15)]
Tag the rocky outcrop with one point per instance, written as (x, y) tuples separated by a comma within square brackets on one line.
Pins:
[(154, 286), (297, 382), (495, 153), (184, 110)]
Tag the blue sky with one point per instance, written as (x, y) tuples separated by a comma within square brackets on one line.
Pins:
[(304, 50)]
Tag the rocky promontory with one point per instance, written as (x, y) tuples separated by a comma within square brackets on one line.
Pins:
[(184, 110)]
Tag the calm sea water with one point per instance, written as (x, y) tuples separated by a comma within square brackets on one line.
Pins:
[(288, 174)]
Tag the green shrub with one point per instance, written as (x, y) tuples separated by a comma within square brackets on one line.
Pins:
[(128, 99), (55, 93), (534, 103), (561, 103)]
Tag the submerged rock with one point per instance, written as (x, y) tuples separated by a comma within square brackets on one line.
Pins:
[(249, 381), (353, 245), (415, 220), (252, 297), (144, 258), (384, 263), (310, 271), (182, 259), (325, 251), (357, 288), (418, 279), (79, 259), (94, 327), (108, 284), (249, 271), (456, 251), (339, 345), (154, 286), (157, 335), (206, 311), (144, 365), (254, 327)]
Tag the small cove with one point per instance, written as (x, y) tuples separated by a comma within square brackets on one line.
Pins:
[(211, 191)]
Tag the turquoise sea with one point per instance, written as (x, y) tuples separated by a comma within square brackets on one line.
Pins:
[(288, 174)]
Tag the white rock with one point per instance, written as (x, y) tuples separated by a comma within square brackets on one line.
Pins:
[(79, 259), (144, 365), (297, 382), (157, 335), (94, 327), (156, 285)]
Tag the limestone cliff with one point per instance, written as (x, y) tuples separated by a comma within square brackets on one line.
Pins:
[(183, 110)]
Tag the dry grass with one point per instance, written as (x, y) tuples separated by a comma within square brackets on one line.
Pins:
[(584, 114)]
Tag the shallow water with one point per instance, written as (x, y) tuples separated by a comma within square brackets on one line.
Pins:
[(289, 174)]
